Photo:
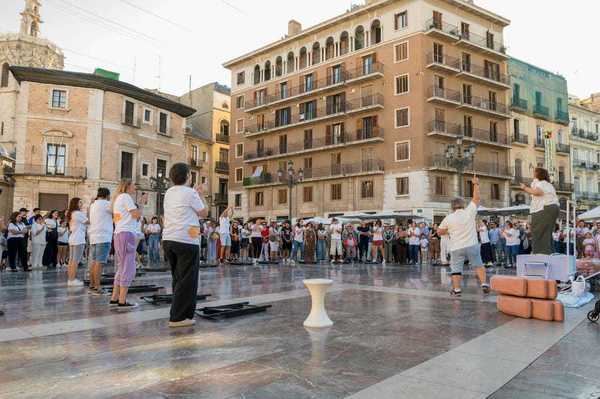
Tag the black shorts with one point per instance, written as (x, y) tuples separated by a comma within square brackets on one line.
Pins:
[(244, 243)]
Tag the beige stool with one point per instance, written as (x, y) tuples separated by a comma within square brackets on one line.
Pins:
[(318, 315)]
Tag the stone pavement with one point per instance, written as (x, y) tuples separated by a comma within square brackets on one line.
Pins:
[(397, 334)]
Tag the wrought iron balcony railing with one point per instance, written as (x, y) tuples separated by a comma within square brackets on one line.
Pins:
[(519, 103), (49, 170)]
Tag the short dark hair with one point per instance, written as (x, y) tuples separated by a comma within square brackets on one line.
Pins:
[(103, 192), (179, 174), (37, 217), (36, 209), (23, 210), (541, 174)]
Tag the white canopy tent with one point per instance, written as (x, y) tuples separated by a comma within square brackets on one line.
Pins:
[(593, 214)]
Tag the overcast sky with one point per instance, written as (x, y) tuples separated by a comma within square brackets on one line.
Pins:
[(168, 41)]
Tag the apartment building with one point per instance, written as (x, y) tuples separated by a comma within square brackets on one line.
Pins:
[(539, 128), (585, 136), (365, 105), (211, 121), (75, 132)]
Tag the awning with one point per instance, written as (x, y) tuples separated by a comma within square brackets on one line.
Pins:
[(593, 214)]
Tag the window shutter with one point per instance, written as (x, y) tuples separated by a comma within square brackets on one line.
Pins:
[(396, 27), (328, 140), (329, 75)]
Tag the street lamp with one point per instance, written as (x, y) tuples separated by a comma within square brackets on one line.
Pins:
[(292, 178), (459, 157), (159, 185)]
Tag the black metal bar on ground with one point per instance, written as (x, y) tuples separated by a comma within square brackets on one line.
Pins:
[(216, 313), (158, 270), (140, 288), (168, 298), (104, 281)]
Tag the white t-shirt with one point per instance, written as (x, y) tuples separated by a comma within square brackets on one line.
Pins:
[(77, 227), (224, 226), (549, 198), (153, 228), (63, 235), (101, 222), (335, 231), (122, 214), (378, 234), (513, 237), (38, 238), (182, 224), (255, 230), (461, 227), (52, 224), (414, 235), (18, 228), (298, 234), (484, 236)]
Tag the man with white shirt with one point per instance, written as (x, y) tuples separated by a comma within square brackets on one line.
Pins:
[(100, 234), (225, 234), (460, 225)]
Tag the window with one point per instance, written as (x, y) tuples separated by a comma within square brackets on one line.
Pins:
[(359, 38), (402, 185), (283, 90), (279, 66), (267, 71), (366, 189), (489, 39), (147, 116), (4, 75), (517, 127), (2, 128), (194, 154), (344, 43), (466, 62), (309, 81), (492, 100), (126, 165), (145, 170), (224, 128), (494, 131), (307, 194), (55, 159), (203, 180), (282, 196), (129, 111), (316, 53), (402, 117), (308, 110), (59, 98), (469, 189), (438, 53), (303, 58), (467, 97), (336, 75), (291, 60), (239, 174), (239, 150), (260, 147), (495, 191), (401, 20), (402, 85), (440, 185), (468, 126), (283, 144), (402, 151), (308, 139), (260, 97), (161, 168), (376, 32), (329, 48), (238, 200), (239, 126), (193, 178), (334, 134), (437, 20), (239, 102), (336, 192), (336, 103), (241, 78), (259, 198), (401, 52), (163, 123), (257, 74), (491, 70), (283, 116)]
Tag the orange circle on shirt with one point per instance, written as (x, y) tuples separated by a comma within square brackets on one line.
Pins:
[(117, 217), (194, 231)]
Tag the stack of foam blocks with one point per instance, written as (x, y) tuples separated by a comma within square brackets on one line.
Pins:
[(528, 298)]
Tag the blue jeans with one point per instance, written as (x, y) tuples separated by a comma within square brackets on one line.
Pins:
[(321, 250), (297, 247), (498, 251), (513, 251), (211, 256), (413, 253), (154, 247)]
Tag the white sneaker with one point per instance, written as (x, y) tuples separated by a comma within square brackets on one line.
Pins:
[(383, 262), (75, 283), (182, 323)]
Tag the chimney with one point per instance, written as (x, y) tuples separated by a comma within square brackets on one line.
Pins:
[(294, 27)]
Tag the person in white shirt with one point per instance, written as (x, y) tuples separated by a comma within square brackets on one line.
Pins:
[(63, 244), (544, 211), (461, 226), (414, 241), (225, 234), (486, 246), (50, 254), (153, 231), (513, 242), (100, 234), (78, 222), (335, 237), (183, 208), (16, 244), (38, 241)]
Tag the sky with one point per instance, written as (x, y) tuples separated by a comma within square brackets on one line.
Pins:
[(166, 44)]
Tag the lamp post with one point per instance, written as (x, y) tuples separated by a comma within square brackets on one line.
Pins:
[(159, 185), (292, 178), (459, 156)]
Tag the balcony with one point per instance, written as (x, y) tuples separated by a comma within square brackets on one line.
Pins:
[(453, 130), (364, 72), (443, 95), (587, 196), (582, 134), (520, 179), (563, 187), (222, 138), (482, 43), (439, 162), (541, 111), (480, 74), (443, 128), (366, 167), (317, 144), (539, 144), (322, 113), (195, 163), (48, 171), (583, 164), (520, 139), (485, 106), (519, 104), (562, 116), (443, 63), (563, 148), (220, 199), (441, 30), (222, 167)]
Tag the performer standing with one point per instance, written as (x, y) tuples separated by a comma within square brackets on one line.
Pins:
[(183, 207)]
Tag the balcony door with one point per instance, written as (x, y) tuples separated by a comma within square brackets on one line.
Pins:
[(336, 163), (368, 159), (55, 159), (368, 127)]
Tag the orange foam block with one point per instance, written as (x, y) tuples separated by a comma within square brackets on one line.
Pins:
[(515, 306), (542, 309), (559, 311), (509, 285)]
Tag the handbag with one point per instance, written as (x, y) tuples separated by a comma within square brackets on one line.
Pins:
[(578, 287)]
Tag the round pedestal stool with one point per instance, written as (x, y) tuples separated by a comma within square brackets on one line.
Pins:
[(318, 315)]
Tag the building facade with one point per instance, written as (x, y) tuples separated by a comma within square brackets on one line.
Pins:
[(366, 105), (75, 132), (585, 136), (211, 121), (198, 148), (539, 129)]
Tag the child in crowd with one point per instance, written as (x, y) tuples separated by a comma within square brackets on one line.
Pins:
[(424, 244), (38, 241)]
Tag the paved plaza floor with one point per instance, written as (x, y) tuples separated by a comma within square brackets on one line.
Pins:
[(397, 334)]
